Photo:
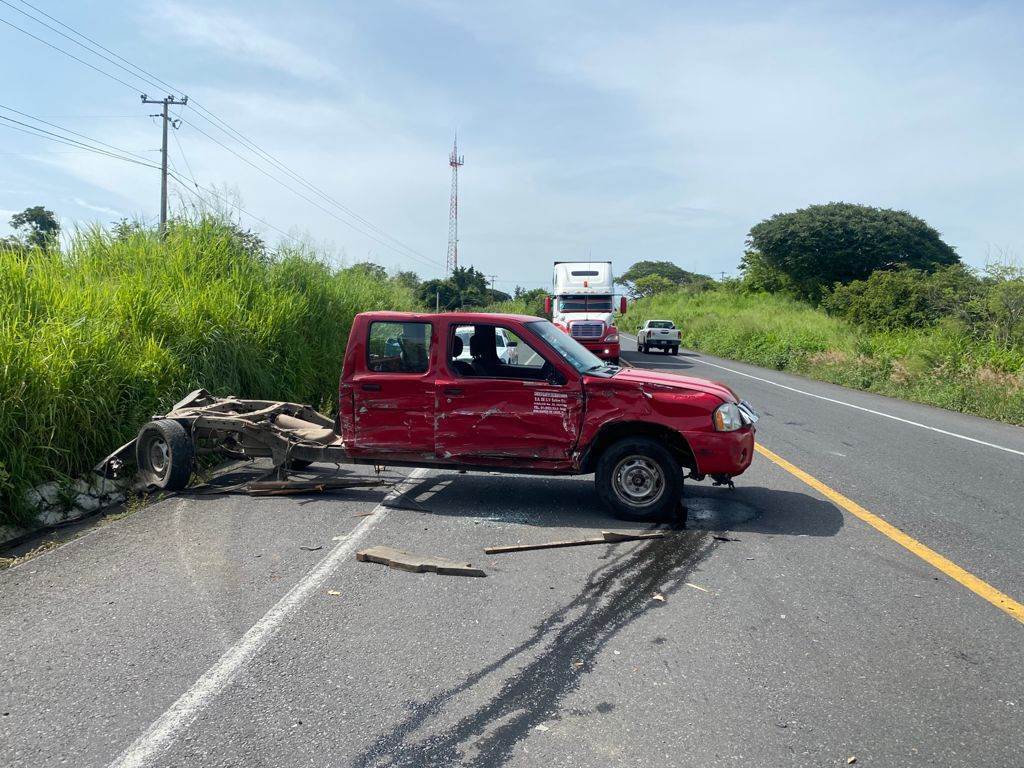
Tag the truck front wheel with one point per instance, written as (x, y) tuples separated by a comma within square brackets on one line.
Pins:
[(639, 479)]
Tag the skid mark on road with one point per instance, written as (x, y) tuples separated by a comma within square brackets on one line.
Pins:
[(569, 641), (146, 749), (966, 578)]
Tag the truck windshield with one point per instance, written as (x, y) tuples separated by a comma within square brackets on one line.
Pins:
[(584, 303), (578, 356)]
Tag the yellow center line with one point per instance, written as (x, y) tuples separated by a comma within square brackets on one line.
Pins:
[(930, 556)]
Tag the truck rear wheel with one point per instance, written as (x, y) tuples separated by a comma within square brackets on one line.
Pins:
[(639, 479), (164, 454)]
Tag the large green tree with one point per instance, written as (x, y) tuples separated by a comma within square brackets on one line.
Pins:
[(815, 247), (465, 287), (38, 225), (669, 274)]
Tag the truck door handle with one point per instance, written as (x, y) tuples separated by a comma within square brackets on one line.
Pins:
[(370, 387), (453, 390)]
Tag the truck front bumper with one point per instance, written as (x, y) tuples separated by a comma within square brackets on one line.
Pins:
[(722, 453), (602, 349)]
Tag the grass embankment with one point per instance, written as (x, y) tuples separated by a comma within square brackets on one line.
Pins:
[(96, 339), (943, 366)]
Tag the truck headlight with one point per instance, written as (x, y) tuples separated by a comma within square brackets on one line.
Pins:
[(727, 417), (611, 338)]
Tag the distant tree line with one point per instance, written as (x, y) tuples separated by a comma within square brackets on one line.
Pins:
[(880, 268)]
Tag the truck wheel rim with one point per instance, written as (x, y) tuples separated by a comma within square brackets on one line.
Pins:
[(158, 455), (638, 481)]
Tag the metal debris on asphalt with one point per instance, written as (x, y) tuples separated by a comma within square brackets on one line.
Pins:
[(406, 561), (606, 537), (290, 487), (312, 549), (695, 586), (659, 597), (333, 593)]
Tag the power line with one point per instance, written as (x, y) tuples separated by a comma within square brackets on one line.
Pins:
[(299, 194), (51, 136), (71, 55), (259, 151), (137, 72), (215, 121), (234, 205), (68, 130), (101, 47)]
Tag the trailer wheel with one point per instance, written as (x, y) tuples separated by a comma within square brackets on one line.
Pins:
[(164, 454), (639, 479)]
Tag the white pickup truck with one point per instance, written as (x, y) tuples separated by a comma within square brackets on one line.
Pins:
[(658, 334)]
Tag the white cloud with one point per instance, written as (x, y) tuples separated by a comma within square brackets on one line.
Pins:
[(97, 208), (236, 37)]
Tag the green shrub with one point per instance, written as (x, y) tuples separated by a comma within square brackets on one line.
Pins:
[(96, 339), (906, 298)]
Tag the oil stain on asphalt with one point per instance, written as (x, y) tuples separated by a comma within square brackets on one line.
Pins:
[(567, 643)]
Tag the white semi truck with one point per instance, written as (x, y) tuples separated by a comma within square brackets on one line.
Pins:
[(583, 305)]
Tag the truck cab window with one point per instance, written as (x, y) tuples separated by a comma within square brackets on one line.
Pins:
[(585, 304), (488, 351), (399, 347)]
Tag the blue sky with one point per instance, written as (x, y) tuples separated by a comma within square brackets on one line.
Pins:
[(622, 130)]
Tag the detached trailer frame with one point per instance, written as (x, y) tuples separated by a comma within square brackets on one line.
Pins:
[(292, 435)]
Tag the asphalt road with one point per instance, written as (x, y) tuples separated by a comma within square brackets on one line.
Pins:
[(203, 631)]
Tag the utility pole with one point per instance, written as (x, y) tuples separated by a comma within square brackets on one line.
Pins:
[(492, 281), (167, 101)]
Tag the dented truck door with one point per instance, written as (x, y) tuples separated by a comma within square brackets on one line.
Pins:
[(393, 393), (489, 409)]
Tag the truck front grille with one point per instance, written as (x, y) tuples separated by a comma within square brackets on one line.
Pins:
[(583, 330)]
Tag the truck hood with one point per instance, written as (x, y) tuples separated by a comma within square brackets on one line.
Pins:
[(642, 376)]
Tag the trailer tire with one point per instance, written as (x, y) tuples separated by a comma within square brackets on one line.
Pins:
[(639, 479), (164, 454)]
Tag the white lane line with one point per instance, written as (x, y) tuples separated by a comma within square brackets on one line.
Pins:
[(862, 408), (183, 712)]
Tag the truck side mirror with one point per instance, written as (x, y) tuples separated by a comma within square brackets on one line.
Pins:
[(622, 305), (547, 305)]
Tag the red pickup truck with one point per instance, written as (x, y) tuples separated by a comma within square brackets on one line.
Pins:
[(411, 395), (474, 391)]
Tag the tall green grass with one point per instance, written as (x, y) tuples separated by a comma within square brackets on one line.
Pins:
[(943, 366), (97, 338)]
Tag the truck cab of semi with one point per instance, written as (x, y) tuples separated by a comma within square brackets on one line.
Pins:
[(583, 306)]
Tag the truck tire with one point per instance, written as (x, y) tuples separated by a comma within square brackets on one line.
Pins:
[(639, 479), (643, 348), (675, 350), (164, 454)]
